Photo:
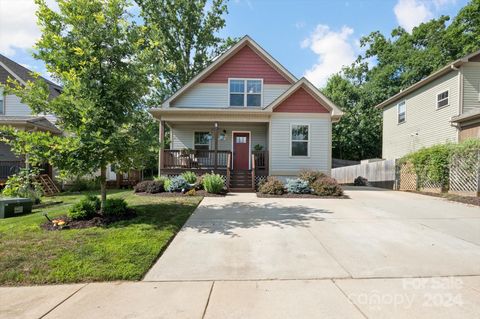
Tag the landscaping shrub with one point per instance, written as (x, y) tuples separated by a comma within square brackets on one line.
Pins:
[(199, 183), (213, 183), (160, 178), (141, 187), (311, 176), (191, 192), (272, 186), (190, 177), (23, 185), (360, 181), (86, 208), (297, 186), (115, 207), (176, 184), (154, 187), (327, 186), (81, 184)]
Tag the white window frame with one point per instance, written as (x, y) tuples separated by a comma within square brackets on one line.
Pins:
[(307, 141), (209, 142), (2, 101), (448, 99), (398, 113), (245, 93)]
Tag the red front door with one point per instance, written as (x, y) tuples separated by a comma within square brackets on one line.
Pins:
[(241, 147)]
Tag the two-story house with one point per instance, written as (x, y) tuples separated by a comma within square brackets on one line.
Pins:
[(17, 114), (245, 116), (443, 107)]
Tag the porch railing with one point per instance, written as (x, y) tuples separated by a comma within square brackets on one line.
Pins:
[(195, 159), (8, 168), (261, 160)]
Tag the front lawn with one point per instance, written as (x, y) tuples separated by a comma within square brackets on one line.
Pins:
[(124, 250)]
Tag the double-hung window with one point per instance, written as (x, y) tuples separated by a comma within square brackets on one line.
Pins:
[(300, 136), (202, 141), (442, 99), (245, 93), (401, 112)]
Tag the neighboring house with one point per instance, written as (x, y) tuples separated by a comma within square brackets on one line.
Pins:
[(246, 114), (15, 113), (443, 107)]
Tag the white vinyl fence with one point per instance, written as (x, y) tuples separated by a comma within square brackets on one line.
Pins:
[(380, 174)]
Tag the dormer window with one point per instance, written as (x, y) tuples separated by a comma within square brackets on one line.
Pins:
[(245, 92)]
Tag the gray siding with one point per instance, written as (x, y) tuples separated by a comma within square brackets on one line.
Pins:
[(282, 164), (182, 134), (471, 86), (14, 107), (214, 95), (425, 125)]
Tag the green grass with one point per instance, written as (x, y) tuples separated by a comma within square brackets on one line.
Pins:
[(122, 251)]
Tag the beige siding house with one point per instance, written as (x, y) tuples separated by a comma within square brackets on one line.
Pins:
[(245, 116), (444, 107)]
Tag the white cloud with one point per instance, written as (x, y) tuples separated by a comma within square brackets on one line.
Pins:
[(18, 27), (411, 13), (335, 49)]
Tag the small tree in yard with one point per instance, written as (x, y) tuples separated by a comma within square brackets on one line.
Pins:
[(93, 48)]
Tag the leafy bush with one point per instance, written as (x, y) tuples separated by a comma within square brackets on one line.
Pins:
[(154, 187), (141, 187), (213, 183), (272, 186), (115, 207), (160, 178), (298, 186), (199, 183), (86, 208), (190, 177), (327, 186), (177, 184), (23, 184), (360, 181), (81, 184), (311, 176)]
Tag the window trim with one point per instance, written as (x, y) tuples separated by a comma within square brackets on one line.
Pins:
[(2, 99), (245, 94), (307, 141), (398, 108), (209, 142), (448, 99)]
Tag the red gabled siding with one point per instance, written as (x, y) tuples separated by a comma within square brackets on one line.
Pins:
[(246, 64), (301, 102)]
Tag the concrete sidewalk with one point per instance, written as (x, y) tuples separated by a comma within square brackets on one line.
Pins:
[(445, 297)]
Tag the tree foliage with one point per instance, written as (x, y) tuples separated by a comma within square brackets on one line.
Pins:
[(388, 65), (182, 40), (93, 48)]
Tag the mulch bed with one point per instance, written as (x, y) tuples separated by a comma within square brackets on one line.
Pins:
[(97, 221), (202, 193), (290, 195), (471, 200)]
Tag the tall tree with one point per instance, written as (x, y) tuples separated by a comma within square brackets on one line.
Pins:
[(93, 48), (390, 64), (182, 40)]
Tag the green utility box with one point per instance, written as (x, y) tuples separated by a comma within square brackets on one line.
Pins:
[(11, 207)]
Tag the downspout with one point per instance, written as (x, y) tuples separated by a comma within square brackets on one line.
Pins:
[(460, 95)]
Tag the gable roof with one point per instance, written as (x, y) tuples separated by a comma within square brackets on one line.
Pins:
[(246, 40), (473, 57), (303, 83), (10, 68)]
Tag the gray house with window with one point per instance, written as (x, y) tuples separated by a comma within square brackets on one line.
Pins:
[(443, 107)]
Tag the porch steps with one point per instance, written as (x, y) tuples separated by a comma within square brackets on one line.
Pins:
[(241, 181)]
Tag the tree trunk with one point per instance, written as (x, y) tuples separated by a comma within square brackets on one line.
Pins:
[(103, 187)]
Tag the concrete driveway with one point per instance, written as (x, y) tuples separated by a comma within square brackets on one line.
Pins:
[(374, 234), (379, 254)]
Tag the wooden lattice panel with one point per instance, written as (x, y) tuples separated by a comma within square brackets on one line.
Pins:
[(408, 178), (464, 173)]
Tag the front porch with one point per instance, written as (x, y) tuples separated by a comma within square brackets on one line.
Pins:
[(238, 151)]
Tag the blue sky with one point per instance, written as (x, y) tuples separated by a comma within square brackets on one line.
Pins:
[(310, 37)]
